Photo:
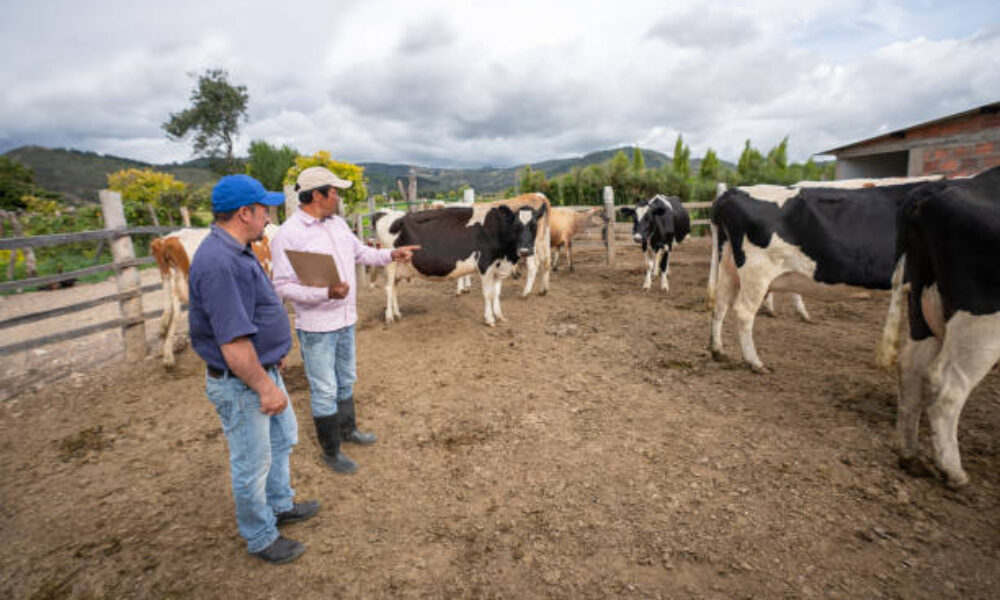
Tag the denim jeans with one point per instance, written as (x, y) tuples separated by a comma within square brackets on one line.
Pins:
[(259, 447), (330, 367)]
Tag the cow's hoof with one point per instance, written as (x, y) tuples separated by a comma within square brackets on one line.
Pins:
[(718, 355), (957, 483), (760, 369), (915, 467), (543, 292)]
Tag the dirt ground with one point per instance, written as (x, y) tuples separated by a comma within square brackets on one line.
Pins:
[(587, 448)]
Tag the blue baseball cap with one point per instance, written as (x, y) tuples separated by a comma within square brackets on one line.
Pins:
[(234, 191)]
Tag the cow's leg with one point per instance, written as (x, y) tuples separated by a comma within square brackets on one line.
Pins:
[(390, 293), (800, 308), (753, 288), (665, 269), (497, 283), (569, 254), (395, 303), (168, 305), (175, 310), (969, 351), (888, 344), (713, 268), (727, 286), (650, 258), (913, 362), (769, 305), (546, 266), (489, 289), (532, 262), (555, 259)]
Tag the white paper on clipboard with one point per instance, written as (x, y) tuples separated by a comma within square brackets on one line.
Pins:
[(313, 269)]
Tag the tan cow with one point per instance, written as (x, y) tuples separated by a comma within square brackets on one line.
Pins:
[(542, 258), (567, 223)]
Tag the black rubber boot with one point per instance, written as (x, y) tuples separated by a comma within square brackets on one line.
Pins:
[(328, 432), (349, 426)]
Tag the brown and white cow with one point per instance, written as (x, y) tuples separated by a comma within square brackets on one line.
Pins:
[(565, 224), (173, 253)]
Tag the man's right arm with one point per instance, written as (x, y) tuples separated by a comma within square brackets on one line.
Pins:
[(243, 362)]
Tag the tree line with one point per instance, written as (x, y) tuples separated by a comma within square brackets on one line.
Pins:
[(631, 180)]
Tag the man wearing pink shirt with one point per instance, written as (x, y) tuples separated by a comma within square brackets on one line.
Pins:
[(325, 317)]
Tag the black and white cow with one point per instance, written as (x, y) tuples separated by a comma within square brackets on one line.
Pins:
[(459, 241), (761, 192), (949, 236), (656, 224), (798, 235)]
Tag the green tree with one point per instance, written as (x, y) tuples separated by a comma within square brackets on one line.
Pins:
[(682, 158), (216, 109), (751, 165), (269, 163), (710, 165), (777, 161), (16, 182), (530, 180), (353, 196), (638, 161), (618, 170), (144, 186)]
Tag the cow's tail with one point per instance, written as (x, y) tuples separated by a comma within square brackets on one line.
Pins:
[(713, 268), (888, 345), (157, 248)]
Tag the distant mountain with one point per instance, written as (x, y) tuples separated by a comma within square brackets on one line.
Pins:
[(382, 177), (79, 175)]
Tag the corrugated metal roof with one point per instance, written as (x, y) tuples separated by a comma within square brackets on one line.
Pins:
[(901, 133)]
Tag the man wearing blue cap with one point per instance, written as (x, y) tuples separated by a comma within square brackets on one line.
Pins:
[(240, 329)]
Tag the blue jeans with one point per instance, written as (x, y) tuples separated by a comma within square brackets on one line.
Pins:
[(330, 367), (259, 447)]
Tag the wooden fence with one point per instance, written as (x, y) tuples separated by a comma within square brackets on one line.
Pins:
[(128, 296), (130, 291)]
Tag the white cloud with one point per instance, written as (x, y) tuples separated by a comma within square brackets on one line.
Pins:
[(497, 83)]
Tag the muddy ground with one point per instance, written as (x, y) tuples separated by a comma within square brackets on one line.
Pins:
[(587, 448)]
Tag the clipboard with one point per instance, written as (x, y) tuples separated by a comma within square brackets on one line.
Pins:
[(313, 269)]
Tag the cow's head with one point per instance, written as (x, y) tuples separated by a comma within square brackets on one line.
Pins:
[(524, 224), (643, 216)]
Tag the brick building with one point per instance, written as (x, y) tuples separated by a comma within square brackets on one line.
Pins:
[(960, 144)]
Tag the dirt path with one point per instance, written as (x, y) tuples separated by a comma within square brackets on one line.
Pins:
[(588, 448)]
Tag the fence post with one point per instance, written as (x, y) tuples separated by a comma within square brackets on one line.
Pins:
[(609, 212), (469, 196), (185, 216), (130, 308), (30, 268)]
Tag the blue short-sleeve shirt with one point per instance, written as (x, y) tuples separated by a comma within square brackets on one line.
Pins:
[(230, 297)]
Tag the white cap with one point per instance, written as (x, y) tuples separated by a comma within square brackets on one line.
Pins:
[(317, 177)]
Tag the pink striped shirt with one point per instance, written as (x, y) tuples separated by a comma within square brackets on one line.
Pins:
[(313, 310)]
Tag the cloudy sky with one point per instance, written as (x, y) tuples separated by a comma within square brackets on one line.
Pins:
[(460, 83)]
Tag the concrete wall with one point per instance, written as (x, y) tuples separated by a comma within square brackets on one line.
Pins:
[(890, 164), (964, 145)]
